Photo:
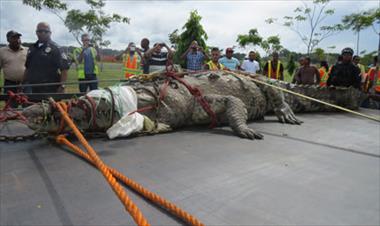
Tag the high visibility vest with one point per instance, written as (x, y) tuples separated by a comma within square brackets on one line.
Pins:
[(324, 76), (80, 66), (277, 75), (377, 85), (212, 66), (131, 66)]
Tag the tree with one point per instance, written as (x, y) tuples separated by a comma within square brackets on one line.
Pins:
[(192, 30), (313, 18), (252, 38), (357, 22), (272, 43), (93, 21), (320, 53)]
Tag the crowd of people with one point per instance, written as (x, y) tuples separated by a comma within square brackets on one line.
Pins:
[(44, 62)]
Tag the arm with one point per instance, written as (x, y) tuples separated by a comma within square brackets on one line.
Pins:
[(148, 54), (97, 54), (184, 55), (317, 75), (207, 58), (170, 52)]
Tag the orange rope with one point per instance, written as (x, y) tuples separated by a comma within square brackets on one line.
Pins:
[(172, 208), (133, 210)]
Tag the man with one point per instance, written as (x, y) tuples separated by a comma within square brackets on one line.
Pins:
[(373, 81), (251, 65), (12, 61), (214, 64), (194, 57), (43, 62), (132, 61), (230, 62), (307, 75), (86, 59), (145, 47), (372, 86), (356, 61), (345, 73), (274, 68), (157, 60), (301, 62), (323, 73)]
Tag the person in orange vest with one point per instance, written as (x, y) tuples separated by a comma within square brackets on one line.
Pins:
[(323, 73), (132, 61), (214, 64), (274, 68)]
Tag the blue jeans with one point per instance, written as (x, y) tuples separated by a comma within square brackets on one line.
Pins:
[(92, 85)]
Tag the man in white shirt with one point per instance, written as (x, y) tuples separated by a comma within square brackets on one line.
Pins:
[(251, 65)]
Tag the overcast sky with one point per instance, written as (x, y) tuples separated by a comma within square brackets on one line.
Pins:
[(222, 20)]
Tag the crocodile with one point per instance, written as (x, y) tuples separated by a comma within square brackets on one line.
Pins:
[(233, 99)]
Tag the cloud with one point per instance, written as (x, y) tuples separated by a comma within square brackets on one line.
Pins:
[(222, 20)]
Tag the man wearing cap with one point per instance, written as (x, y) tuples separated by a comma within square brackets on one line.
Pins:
[(46, 63), (346, 73), (12, 61), (86, 59), (230, 62)]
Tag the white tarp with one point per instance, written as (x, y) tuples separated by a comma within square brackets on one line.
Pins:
[(125, 103)]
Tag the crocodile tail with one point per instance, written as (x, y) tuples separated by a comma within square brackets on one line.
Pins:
[(341, 96)]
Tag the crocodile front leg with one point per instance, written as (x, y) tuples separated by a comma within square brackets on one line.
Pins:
[(228, 109)]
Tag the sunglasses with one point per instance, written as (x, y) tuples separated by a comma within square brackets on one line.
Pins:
[(43, 31)]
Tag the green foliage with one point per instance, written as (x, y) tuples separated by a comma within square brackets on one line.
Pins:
[(252, 38), (192, 30), (358, 21), (50, 4), (312, 16), (93, 21), (291, 67), (272, 43), (320, 53)]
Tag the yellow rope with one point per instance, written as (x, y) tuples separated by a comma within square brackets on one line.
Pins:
[(371, 117)]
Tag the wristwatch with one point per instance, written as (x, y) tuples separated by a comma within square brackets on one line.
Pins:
[(63, 86)]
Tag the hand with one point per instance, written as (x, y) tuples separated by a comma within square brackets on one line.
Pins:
[(286, 115)]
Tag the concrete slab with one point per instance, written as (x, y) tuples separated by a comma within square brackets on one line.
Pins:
[(325, 172)]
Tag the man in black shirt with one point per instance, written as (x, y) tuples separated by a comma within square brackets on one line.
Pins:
[(345, 73), (43, 62)]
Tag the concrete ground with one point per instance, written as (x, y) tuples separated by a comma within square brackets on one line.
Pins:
[(325, 172)]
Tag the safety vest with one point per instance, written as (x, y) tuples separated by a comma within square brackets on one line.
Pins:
[(277, 76), (212, 66), (80, 66), (131, 66), (369, 75), (324, 76)]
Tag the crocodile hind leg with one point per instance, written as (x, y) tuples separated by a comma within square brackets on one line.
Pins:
[(228, 109)]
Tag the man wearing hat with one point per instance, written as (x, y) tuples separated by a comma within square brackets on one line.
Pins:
[(12, 61), (230, 62), (346, 73), (46, 63)]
